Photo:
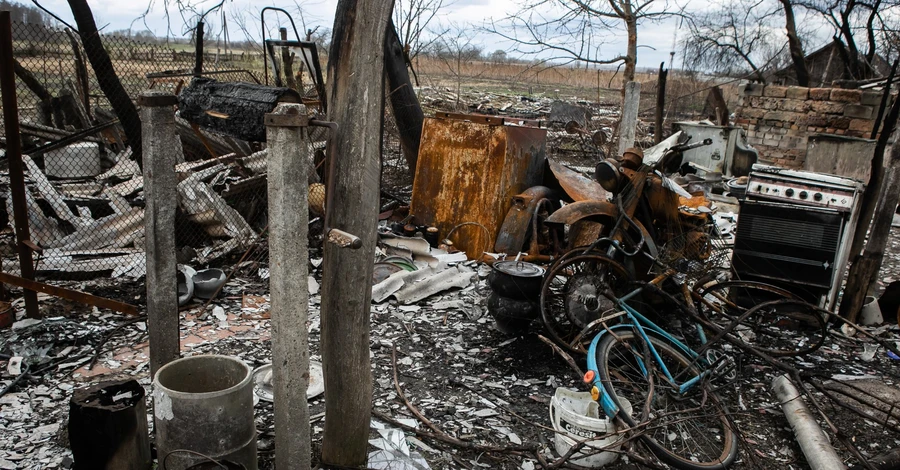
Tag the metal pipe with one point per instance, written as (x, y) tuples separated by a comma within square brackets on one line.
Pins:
[(14, 157), (813, 442)]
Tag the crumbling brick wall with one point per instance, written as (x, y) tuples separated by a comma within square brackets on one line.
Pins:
[(779, 119)]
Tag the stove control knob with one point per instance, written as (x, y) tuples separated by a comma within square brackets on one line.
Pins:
[(803, 194), (817, 196), (789, 192)]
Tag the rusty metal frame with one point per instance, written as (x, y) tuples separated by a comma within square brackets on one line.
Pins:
[(14, 157), (73, 295)]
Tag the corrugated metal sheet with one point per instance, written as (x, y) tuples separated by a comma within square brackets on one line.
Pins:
[(469, 172)]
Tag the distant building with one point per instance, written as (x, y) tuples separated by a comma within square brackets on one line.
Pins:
[(825, 66)]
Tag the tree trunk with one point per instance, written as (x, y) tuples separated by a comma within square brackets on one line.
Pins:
[(45, 111), (865, 269), (660, 104), (847, 32), (795, 46), (84, 84), (404, 102), (870, 32), (287, 58), (873, 187), (631, 56), (355, 76), (106, 76)]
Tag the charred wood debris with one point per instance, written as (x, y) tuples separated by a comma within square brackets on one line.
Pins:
[(464, 375)]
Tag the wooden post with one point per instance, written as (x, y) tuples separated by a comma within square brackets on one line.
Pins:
[(628, 122), (865, 269), (355, 104), (660, 103), (288, 61), (159, 149), (288, 259)]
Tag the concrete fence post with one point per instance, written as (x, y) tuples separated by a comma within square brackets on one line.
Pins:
[(160, 147), (288, 159), (628, 122)]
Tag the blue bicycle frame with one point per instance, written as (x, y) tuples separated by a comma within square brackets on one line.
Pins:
[(641, 324)]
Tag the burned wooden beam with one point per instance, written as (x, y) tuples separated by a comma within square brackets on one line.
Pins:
[(235, 109)]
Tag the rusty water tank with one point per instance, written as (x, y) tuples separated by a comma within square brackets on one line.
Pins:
[(469, 169)]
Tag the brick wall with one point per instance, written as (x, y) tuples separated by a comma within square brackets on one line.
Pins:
[(779, 119)]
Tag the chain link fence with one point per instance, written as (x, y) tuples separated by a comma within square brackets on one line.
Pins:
[(84, 189)]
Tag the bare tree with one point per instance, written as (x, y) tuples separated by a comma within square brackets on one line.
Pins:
[(575, 30), (856, 22), (798, 58), (412, 19), (729, 38), (455, 48)]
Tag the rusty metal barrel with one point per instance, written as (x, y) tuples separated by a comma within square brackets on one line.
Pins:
[(204, 410)]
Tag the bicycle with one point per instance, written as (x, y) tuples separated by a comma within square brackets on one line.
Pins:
[(682, 420)]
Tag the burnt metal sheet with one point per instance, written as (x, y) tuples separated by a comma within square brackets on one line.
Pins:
[(514, 231), (469, 172), (598, 211), (578, 187)]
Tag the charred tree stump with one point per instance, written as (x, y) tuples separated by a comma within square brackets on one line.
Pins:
[(404, 102), (660, 103), (355, 71), (108, 427), (106, 76)]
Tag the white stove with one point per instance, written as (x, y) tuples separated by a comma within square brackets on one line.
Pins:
[(795, 230)]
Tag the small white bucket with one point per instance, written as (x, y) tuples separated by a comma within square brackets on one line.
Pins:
[(578, 416)]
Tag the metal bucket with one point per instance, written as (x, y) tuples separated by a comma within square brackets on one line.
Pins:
[(204, 404)]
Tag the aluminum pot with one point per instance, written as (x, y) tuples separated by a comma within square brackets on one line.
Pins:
[(518, 280)]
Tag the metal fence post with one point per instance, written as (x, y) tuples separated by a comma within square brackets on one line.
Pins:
[(288, 159), (160, 148), (16, 166)]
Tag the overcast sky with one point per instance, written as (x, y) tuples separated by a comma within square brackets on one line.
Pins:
[(656, 39)]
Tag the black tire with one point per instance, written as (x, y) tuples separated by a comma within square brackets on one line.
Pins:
[(572, 297), (667, 434), (775, 311)]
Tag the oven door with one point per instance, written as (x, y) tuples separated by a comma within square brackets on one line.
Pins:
[(789, 243)]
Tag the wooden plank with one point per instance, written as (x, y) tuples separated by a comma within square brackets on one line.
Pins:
[(69, 294)]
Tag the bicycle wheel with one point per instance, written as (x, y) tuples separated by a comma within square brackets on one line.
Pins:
[(780, 329), (572, 297), (689, 430), (786, 327)]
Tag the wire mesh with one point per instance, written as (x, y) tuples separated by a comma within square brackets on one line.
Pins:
[(696, 253), (85, 193)]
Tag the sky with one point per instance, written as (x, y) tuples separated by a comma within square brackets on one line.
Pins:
[(655, 40)]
